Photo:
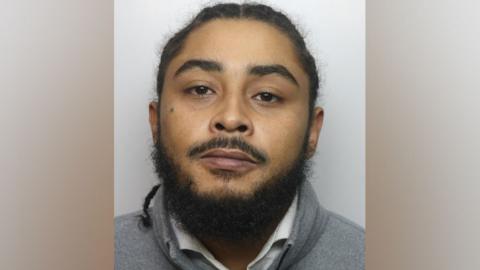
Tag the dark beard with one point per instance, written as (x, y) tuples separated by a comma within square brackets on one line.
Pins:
[(229, 218)]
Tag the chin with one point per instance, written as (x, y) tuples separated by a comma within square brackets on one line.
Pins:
[(217, 187)]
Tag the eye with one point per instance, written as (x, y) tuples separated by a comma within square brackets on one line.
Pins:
[(267, 97), (200, 90)]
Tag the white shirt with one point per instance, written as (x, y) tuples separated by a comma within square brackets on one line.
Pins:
[(264, 259)]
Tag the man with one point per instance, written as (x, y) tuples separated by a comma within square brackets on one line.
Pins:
[(234, 127)]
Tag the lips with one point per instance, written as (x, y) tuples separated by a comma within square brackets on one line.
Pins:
[(228, 160)]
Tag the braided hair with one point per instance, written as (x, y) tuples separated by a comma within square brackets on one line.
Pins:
[(145, 216)]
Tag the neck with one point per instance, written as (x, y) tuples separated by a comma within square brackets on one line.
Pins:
[(238, 254)]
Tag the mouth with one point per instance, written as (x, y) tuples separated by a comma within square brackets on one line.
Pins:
[(228, 160)]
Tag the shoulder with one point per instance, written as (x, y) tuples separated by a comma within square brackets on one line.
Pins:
[(340, 246), (135, 246), (126, 221), (128, 230), (345, 234)]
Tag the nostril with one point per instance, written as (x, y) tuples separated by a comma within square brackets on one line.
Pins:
[(219, 126), (242, 128)]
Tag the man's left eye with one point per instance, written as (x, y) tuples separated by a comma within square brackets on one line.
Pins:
[(266, 97), (200, 90)]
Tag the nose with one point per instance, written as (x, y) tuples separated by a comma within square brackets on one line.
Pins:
[(231, 117)]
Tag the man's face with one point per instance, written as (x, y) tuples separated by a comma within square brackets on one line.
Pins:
[(235, 79)]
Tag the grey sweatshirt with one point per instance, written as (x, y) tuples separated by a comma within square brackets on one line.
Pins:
[(320, 239)]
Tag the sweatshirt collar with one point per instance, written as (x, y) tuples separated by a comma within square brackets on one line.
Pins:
[(308, 225)]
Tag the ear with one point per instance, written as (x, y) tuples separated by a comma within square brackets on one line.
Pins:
[(153, 118), (314, 132)]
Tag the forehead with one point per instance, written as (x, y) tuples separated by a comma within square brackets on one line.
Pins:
[(237, 43), (246, 36)]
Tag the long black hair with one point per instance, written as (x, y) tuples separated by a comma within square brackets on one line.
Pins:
[(252, 11)]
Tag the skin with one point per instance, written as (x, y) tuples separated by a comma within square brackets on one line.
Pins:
[(233, 103)]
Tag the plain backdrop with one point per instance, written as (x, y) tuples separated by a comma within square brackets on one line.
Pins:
[(335, 33)]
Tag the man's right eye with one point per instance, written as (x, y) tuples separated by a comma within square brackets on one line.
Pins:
[(200, 90)]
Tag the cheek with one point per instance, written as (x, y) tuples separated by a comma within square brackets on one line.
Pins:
[(180, 129), (284, 137)]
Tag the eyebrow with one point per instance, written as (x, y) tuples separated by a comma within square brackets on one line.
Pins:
[(273, 69), (258, 70), (206, 65)]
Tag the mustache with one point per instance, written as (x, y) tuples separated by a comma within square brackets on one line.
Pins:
[(229, 143)]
